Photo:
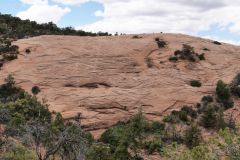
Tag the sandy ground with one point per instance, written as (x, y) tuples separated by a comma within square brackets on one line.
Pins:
[(65, 68)]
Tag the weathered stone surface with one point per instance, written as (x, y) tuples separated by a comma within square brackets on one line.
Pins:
[(107, 80)]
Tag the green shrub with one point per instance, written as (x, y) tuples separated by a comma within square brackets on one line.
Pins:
[(19, 153), (190, 111), (157, 127), (153, 146), (208, 99), (161, 44), (173, 59), (223, 95), (171, 118), (222, 91), (202, 57), (15, 126), (35, 90), (197, 153), (213, 117), (193, 136), (235, 85), (183, 116), (99, 151), (195, 83)]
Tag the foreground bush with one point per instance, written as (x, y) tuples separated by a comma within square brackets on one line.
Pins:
[(19, 153), (193, 136)]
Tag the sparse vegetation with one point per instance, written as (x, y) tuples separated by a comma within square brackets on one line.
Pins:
[(217, 43), (187, 53), (136, 37), (193, 136), (161, 43), (235, 85)]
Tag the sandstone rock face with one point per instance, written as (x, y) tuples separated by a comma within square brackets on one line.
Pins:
[(107, 79)]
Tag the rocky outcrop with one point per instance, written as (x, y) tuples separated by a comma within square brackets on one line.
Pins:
[(107, 79)]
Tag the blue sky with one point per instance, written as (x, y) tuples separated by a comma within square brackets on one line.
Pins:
[(215, 19)]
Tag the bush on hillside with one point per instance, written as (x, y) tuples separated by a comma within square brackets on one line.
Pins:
[(217, 43), (195, 83), (212, 117), (193, 136), (35, 90), (173, 59), (235, 85)]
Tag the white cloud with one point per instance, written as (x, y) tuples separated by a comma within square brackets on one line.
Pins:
[(71, 2), (146, 16), (43, 13), (34, 1), (138, 16)]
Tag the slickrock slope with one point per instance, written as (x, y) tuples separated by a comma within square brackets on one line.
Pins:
[(107, 79)]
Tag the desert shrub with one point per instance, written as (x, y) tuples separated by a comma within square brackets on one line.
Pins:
[(99, 151), (19, 153), (9, 92), (28, 51), (206, 49), (222, 91), (171, 134), (35, 90), (208, 99), (173, 58), (188, 53), (235, 85), (197, 153), (223, 95), (217, 43), (125, 136), (136, 37), (192, 136), (195, 83), (176, 117), (113, 135), (171, 118), (4, 115), (189, 111), (177, 52), (161, 43), (9, 56), (15, 127), (183, 116), (213, 117), (202, 56), (157, 127), (153, 146), (233, 151)]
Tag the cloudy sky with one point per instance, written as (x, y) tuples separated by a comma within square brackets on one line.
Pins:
[(215, 19)]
